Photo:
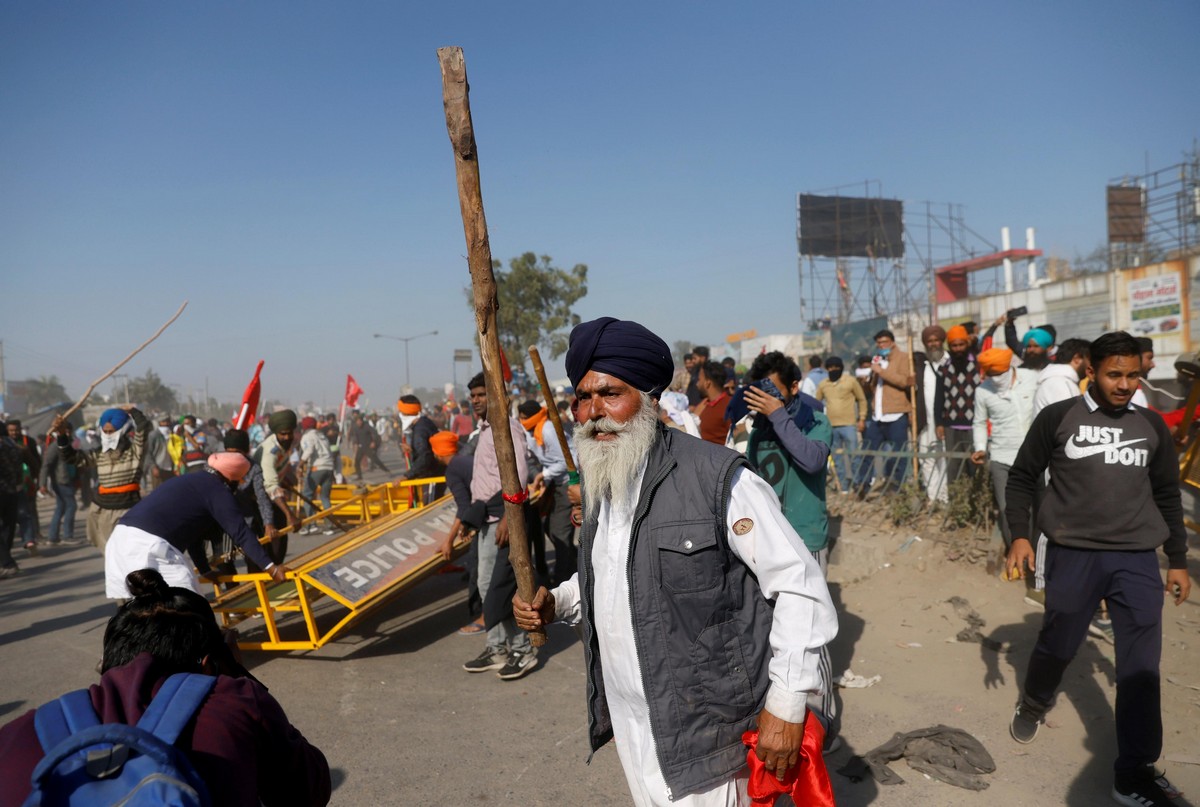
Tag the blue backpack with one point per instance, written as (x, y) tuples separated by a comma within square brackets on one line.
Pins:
[(87, 763)]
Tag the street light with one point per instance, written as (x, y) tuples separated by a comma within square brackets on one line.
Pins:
[(405, 340)]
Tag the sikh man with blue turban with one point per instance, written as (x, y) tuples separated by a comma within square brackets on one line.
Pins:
[(702, 612), (117, 466)]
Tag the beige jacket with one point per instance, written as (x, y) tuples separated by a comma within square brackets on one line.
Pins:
[(894, 378)]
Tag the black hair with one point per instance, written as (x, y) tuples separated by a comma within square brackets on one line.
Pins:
[(775, 362), (834, 361), (714, 371), (885, 332), (861, 360), (971, 325), (1071, 349), (1116, 343), (410, 399), (529, 408), (814, 361), (1146, 344), (175, 625), (1050, 329), (729, 361), (237, 440), (12, 422), (477, 381), (701, 351)]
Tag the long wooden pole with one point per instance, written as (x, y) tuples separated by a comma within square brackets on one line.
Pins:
[(912, 406), (552, 410), (455, 98), (121, 364)]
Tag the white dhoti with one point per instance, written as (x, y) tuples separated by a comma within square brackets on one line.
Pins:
[(130, 549)]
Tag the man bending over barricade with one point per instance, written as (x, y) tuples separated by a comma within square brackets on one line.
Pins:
[(159, 529)]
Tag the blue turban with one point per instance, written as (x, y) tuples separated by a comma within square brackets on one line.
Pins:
[(623, 349), (117, 417), (1043, 338)]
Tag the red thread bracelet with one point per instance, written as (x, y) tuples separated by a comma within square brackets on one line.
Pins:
[(517, 498)]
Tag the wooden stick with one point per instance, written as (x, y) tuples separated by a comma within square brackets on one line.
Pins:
[(483, 283), (912, 406), (121, 364), (551, 408)]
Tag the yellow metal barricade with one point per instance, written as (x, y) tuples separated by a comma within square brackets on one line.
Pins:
[(394, 546)]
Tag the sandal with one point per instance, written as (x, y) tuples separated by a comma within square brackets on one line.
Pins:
[(472, 629)]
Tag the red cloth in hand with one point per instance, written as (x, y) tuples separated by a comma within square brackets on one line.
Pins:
[(807, 781)]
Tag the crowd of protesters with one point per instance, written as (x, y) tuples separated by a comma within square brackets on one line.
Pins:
[(172, 495)]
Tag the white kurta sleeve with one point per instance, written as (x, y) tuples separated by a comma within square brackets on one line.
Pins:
[(566, 601), (804, 618)]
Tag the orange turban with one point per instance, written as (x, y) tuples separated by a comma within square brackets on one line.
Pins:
[(995, 360), (408, 408), (444, 444), (957, 333)]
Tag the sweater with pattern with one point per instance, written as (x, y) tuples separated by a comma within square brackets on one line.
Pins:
[(119, 470)]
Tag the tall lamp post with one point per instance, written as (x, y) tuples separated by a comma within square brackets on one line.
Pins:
[(405, 340)]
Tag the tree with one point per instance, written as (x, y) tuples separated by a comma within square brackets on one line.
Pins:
[(681, 349), (535, 299), (41, 392), (151, 394)]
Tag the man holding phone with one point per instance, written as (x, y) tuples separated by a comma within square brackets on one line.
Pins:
[(888, 426)]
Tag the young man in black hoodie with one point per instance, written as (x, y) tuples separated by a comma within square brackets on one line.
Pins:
[(1113, 499)]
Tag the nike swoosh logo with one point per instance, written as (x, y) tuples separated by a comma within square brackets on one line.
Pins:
[(1075, 452)]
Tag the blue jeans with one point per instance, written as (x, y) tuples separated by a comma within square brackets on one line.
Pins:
[(315, 479), (504, 636), (64, 512), (846, 439), (880, 436)]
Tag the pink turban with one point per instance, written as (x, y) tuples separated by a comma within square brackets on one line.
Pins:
[(230, 464)]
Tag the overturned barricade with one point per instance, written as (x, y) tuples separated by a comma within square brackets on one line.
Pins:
[(349, 576)]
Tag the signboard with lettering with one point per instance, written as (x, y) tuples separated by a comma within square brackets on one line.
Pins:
[(375, 566), (1156, 305), (463, 354)]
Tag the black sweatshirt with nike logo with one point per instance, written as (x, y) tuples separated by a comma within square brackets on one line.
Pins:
[(1114, 480)]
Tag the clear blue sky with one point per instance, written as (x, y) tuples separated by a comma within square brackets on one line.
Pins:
[(285, 165)]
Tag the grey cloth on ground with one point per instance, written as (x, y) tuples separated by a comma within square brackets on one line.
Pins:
[(947, 754)]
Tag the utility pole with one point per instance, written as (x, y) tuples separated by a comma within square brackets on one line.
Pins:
[(3, 381)]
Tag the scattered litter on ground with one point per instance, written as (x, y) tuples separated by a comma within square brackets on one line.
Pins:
[(947, 754), (908, 644), (904, 546), (1171, 680), (849, 680)]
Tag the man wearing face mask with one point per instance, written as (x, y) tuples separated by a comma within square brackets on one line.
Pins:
[(118, 468), (846, 407), (954, 406), (159, 466), (888, 427), (157, 531), (1006, 399)]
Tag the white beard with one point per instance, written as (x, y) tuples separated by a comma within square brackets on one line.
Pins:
[(608, 468)]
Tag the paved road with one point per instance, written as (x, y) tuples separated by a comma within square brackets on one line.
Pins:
[(399, 720)]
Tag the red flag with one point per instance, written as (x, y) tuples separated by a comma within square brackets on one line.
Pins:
[(353, 390), (245, 415)]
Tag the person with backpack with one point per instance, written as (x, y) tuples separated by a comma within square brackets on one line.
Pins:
[(222, 739)]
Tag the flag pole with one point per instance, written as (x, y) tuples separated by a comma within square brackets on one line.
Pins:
[(455, 98)]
